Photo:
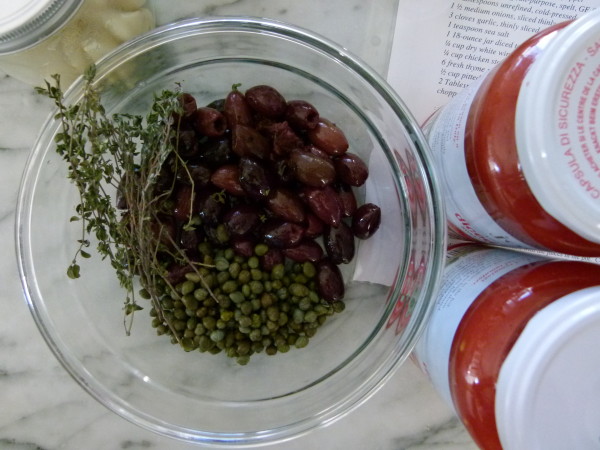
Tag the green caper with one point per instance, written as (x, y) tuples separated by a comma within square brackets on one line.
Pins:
[(237, 297), (190, 301), (301, 342), (221, 263), (217, 335), (232, 305), (253, 262), (261, 249), (200, 294), (186, 287), (234, 270)]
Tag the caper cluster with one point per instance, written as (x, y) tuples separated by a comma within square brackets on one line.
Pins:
[(231, 305)]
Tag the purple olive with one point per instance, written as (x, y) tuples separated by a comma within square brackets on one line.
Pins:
[(256, 179), (286, 205), (209, 205), (330, 284), (188, 104), (280, 234), (198, 174), (328, 137), (339, 243), (215, 152), (187, 143), (266, 101), (241, 219), (210, 122), (227, 177), (236, 110), (324, 203), (270, 259), (347, 199), (366, 220), (314, 226), (185, 205), (301, 115), (247, 142), (242, 245), (312, 170), (284, 138), (307, 250), (351, 169)]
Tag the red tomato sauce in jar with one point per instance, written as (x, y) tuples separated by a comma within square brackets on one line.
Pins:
[(514, 173), (501, 322), (490, 328)]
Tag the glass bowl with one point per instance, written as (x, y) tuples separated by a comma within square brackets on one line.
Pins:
[(390, 286)]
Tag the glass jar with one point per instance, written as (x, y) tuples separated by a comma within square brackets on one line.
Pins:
[(519, 152), (40, 38), (512, 347)]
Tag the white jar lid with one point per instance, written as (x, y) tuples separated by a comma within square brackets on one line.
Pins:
[(26, 22), (548, 390), (558, 126)]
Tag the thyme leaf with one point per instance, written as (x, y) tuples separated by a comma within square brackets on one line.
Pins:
[(122, 154)]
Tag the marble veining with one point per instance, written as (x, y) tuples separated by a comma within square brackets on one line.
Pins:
[(43, 408)]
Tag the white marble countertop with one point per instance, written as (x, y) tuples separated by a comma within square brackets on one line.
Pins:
[(42, 407)]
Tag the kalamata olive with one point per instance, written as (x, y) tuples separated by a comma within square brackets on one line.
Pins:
[(286, 205), (189, 240), (198, 174), (216, 233), (330, 284), (188, 103), (218, 104), (270, 259), (347, 199), (242, 245), (187, 143), (366, 220), (351, 169), (185, 205), (209, 205), (246, 141), (310, 169), (284, 138), (241, 219), (266, 101), (324, 203), (307, 250), (227, 177), (256, 179), (317, 152), (301, 115), (236, 110), (314, 226), (328, 137), (210, 122), (282, 170), (176, 272), (165, 230), (215, 152), (339, 243), (280, 234)]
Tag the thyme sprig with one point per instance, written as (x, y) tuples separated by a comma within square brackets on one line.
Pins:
[(124, 154)]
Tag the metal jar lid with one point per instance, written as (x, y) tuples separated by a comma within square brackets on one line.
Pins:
[(23, 23)]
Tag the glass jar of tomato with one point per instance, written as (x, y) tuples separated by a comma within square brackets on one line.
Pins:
[(519, 151), (512, 347)]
